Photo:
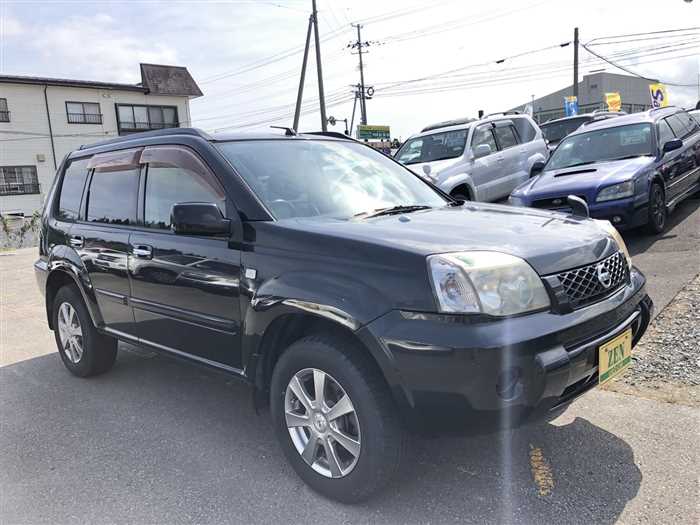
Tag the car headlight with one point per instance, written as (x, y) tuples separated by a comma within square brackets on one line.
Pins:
[(617, 191), (612, 231), (491, 283)]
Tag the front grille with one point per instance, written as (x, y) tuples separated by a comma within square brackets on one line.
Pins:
[(554, 203), (584, 285)]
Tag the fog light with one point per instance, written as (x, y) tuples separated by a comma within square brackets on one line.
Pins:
[(617, 219), (509, 385)]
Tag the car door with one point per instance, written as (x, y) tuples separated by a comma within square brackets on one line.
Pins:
[(686, 129), (673, 167), (101, 237), (511, 170), (185, 288), (484, 169)]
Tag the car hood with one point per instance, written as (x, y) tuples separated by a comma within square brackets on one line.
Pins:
[(435, 167), (582, 179), (549, 241)]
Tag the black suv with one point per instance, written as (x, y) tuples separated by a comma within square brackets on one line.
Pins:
[(355, 297)]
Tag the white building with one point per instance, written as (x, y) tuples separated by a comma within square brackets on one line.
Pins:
[(43, 119)]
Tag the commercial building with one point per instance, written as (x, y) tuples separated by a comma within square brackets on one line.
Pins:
[(634, 92), (43, 119)]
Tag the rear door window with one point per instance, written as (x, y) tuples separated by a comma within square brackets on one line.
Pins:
[(72, 190), (679, 125), (112, 196), (506, 136)]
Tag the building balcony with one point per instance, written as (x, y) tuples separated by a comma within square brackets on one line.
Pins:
[(13, 188), (4, 116), (84, 118)]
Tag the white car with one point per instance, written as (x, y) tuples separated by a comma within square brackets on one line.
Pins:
[(481, 160)]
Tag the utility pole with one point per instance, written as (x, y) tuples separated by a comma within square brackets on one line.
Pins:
[(300, 93), (575, 86), (313, 21), (359, 45), (321, 97)]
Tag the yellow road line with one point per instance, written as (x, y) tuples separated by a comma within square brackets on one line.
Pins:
[(541, 471)]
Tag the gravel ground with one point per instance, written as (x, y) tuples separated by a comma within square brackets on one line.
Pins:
[(666, 363)]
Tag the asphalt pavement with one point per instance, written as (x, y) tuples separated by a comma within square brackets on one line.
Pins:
[(159, 441)]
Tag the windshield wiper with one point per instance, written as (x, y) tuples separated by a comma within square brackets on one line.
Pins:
[(392, 210)]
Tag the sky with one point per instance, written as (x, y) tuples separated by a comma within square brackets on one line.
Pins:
[(427, 60)]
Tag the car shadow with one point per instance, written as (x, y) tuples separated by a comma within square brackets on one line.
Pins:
[(639, 241), (159, 441)]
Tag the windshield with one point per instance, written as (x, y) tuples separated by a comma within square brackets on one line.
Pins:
[(620, 142), (555, 131), (429, 148), (309, 178)]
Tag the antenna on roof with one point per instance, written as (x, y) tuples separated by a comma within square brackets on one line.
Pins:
[(288, 132)]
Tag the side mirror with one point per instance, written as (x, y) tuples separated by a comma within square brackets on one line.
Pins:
[(426, 170), (537, 168), (482, 150), (672, 145), (198, 218), (578, 206)]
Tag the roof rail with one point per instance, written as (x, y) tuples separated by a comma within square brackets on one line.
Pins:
[(447, 123), (147, 134), (665, 107), (608, 112), (509, 112), (288, 132), (336, 134)]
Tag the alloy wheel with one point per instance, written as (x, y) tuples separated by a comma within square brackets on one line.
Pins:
[(70, 332), (322, 423), (657, 208)]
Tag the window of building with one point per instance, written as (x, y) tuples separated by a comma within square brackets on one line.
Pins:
[(132, 118), (18, 180), (83, 113), (4, 113), (72, 190), (112, 196)]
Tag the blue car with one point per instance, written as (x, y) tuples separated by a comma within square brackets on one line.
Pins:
[(631, 170)]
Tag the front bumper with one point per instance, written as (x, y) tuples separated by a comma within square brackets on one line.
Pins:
[(622, 213), (456, 373)]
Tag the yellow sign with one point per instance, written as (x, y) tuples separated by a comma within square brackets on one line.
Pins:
[(614, 356), (614, 101), (659, 97)]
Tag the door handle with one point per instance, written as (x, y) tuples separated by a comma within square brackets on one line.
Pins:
[(500, 159), (76, 241), (142, 251)]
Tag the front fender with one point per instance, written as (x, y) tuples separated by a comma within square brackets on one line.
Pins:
[(347, 303), (459, 179), (65, 260)]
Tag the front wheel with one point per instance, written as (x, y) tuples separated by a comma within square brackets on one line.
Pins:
[(657, 210), (334, 418)]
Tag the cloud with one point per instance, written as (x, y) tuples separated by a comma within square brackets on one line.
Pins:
[(108, 52), (10, 27)]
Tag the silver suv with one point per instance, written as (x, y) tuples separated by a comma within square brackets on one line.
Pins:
[(482, 160)]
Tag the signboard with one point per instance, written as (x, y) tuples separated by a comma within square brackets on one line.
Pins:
[(614, 101), (659, 97), (570, 106), (373, 132)]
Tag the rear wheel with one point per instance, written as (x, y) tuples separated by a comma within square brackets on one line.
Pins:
[(657, 210), (335, 419), (84, 351)]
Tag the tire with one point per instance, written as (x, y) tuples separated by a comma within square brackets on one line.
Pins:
[(656, 221), (84, 351), (373, 423)]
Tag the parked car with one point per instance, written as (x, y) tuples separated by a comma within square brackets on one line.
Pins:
[(631, 170), (354, 297), (479, 160), (695, 114), (555, 130)]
